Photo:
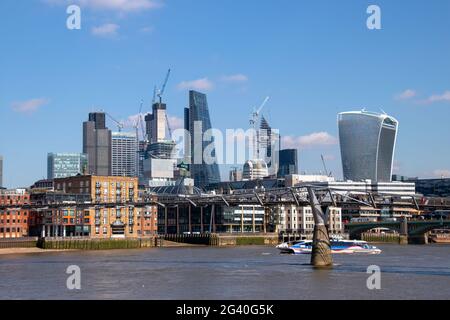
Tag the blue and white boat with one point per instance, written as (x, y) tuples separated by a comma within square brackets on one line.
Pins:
[(337, 247)]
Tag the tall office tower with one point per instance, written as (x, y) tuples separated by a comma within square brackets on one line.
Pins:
[(156, 123), (288, 162), (197, 122), (64, 165), (97, 144), (367, 142), (125, 154), (269, 145), (1, 172)]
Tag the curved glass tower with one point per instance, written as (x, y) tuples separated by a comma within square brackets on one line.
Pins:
[(367, 143)]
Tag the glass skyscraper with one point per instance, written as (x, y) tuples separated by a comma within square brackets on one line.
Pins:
[(367, 143), (64, 165), (197, 122), (288, 162)]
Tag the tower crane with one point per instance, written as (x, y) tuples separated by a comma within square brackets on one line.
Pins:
[(329, 174), (159, 94), (254, 120), (120, 125)]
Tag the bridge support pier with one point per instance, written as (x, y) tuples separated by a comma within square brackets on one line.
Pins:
[(321, 251), (321, 256)]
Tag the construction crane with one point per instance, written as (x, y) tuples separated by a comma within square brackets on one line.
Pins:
[(120, 125), (140, 122), (159, 94), (325, 166), (163, 87), (254, 120)]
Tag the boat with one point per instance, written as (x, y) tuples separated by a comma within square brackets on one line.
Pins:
[(440, 236), (337, 247)]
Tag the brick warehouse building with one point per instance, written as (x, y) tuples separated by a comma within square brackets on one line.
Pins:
[(14, 221), (99, 220)]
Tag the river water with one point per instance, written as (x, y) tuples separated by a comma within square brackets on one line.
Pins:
[(407, 272)]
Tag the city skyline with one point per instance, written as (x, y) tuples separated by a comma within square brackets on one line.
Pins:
[(298, 64)]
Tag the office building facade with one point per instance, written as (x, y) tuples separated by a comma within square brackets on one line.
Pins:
[(125, 154), (63, 165), (197, 122), (367, 142), (97, 144), (288, 164)]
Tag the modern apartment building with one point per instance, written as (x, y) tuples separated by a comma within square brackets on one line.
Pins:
[(113, 213), (294, 219)]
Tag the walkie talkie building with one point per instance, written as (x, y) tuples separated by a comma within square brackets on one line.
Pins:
[(367, 143)]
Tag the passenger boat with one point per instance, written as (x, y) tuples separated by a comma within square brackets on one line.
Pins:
[(440, 236), (337, 247)]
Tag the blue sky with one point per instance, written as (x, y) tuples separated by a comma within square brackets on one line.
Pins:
[(313, 58)]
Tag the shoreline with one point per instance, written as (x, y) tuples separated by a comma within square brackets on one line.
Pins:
[(13, 251)]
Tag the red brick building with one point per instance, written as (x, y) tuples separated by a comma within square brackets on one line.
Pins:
[(14, 220)]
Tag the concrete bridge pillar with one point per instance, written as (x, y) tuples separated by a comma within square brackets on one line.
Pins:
[(404, 227), (321, 256)]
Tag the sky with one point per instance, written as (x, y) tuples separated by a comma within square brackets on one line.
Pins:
[(313, 58)]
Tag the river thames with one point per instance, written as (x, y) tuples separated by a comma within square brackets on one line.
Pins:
[(407, 272)]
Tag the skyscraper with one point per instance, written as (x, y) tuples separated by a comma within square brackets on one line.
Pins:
[(367, 143), (1, 172), (288, 162), (97, 144), (269, 146), (64, 165), (197, 122), (125, 156), (156, 123)]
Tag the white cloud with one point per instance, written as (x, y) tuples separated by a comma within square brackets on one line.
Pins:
[(311, 140), (29, 106), (406, 95), (199, 84), (176, 123), (445, 97), (147, 29), (235, 78), (107, 30), (112, 5), (441, 173)]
